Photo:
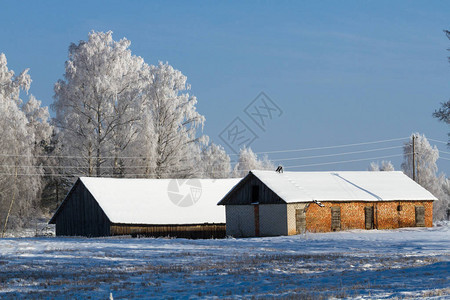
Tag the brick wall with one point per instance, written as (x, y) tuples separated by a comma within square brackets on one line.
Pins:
[(386, 215)]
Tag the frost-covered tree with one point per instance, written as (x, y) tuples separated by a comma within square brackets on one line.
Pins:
[(120, 117), (373, 166), (425, 159), (24, 130), (38, 117), (248, 160), (384, 166), (215, 162), (98, 103), (426, 171), (169, 135)]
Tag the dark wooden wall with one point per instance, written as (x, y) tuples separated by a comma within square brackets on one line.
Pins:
[(194, 231), (242, 194), (81, 215)]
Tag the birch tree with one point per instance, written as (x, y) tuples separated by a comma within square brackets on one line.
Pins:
[(118, 116), (98, 103), (170, 133)]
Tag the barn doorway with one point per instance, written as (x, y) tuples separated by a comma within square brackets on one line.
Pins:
[(420, 216), (256, 215), (335, 218), (368, 213), (300, 221), (255, 202)]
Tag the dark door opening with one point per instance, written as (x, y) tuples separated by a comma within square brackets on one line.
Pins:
[(335, 218), (368, 213), (255, 194), (256, 215), (420, 216)]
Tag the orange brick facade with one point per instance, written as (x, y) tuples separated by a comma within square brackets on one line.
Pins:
[(386, 215)]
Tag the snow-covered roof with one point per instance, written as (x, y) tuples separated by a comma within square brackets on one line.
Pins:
[(160, 201), (343, 186)]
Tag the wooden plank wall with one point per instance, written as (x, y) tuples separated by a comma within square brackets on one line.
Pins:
[(82, 216), (243, 194), (201, 231)]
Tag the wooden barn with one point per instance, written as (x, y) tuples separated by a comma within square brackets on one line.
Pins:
[(143, 207), (268, 203)]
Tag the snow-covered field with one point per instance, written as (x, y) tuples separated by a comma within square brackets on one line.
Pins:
[(405, 263)]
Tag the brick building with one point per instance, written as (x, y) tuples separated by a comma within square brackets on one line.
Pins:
[(267, 203)]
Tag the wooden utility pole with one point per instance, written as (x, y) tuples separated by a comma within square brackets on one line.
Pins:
[(414, 158)]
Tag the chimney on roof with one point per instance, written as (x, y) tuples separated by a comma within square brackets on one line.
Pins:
[(279, 169)]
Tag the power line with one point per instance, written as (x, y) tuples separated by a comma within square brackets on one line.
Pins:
[(71, 156), (169, 173), (440, 151), (45, 175), (279, 151), (438, 141), (343, 161), (287, 159), (70, 167), (275, 160), (337, 154), (330, 147), (143, 157), (142, 175), (233, 154)]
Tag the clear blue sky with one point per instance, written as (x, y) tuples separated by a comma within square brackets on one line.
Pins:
[(341, 71)]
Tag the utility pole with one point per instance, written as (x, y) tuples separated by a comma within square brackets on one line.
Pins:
[(414, 158)]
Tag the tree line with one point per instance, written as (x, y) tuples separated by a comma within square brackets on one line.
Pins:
[(115, 116)]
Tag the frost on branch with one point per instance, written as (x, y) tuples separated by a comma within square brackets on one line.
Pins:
[(248, 161), (118, 116), (23, 129), (385, 166), (215, 162), (99, 103)]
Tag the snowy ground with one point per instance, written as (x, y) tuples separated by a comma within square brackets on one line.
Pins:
[(406, 263), (36, 227)]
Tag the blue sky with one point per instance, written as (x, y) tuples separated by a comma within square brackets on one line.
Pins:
[(341, 72)]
